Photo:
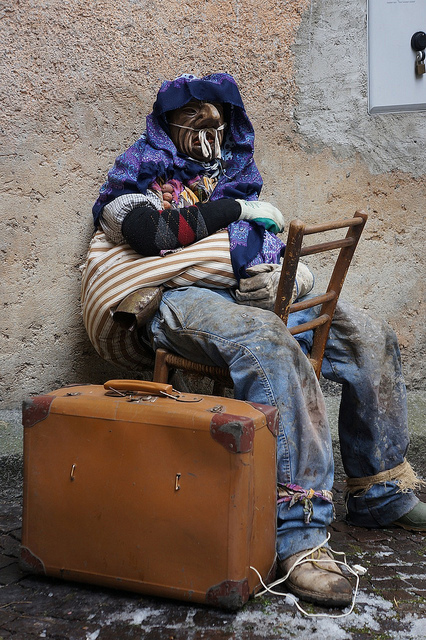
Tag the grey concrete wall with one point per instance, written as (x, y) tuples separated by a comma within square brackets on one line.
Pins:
[(78, 79), (337, 158)]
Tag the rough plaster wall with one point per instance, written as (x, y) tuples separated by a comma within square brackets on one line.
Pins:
[(77, 80)]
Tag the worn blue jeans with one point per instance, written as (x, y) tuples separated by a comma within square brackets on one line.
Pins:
[(268, 366)]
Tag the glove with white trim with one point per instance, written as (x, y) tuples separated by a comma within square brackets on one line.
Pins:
[(264, 212)]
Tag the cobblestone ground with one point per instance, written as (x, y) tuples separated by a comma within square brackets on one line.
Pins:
[(391, 602)]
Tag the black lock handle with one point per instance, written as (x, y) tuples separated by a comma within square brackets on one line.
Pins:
[(418, 41)]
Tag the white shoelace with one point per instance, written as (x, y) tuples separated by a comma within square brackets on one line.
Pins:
[(356, 571), (202, 136)]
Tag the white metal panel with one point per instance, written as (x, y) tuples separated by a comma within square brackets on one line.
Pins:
[(392, 81)]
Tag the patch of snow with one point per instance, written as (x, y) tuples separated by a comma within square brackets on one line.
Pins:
[(292, 624), (418, 628), (132, 616), (373, 601), (410, 576)]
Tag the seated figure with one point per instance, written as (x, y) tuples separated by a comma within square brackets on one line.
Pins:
[(180, 209)]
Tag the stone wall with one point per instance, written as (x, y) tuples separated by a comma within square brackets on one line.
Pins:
[(78, 79)]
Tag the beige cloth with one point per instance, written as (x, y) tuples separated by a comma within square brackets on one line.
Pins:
[(113, 271), (404, 475)]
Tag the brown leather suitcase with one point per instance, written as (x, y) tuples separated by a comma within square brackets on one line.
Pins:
[(139, 487)]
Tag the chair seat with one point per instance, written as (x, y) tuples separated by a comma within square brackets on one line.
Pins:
[(166, 360)]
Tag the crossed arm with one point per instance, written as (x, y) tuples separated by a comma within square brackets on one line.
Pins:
[(149, 226), (149, 231)]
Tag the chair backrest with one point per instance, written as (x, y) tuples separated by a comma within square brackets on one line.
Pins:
[(295, 249)]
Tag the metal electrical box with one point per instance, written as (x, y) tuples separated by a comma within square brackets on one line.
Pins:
[(394, 81)]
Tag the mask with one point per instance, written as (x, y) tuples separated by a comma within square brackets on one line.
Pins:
[(197, 129)]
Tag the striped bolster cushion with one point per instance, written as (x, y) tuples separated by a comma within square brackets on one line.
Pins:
[(111, 272)]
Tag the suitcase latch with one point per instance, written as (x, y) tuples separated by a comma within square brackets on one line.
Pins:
[(218, 408), (139, 399), (177, 485)]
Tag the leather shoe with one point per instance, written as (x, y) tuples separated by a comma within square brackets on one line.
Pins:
[(414, 520), (319, 580)]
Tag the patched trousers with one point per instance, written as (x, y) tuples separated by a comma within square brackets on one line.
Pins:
[(268, 366)]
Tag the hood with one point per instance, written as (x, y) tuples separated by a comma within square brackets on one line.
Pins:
[(154, 155)]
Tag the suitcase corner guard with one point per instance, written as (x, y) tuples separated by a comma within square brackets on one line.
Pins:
[(35, 410), (235, 433), (229, 594), (271, 415), (30, 562)]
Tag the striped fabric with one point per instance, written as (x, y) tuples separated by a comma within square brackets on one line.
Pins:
[(111, 272)]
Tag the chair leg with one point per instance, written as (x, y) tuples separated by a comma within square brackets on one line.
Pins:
[(161, 367)]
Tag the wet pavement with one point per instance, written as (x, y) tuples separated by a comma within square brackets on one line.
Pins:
[(391, 602)]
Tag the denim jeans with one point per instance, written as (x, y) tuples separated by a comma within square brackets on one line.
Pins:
[(268, 366)]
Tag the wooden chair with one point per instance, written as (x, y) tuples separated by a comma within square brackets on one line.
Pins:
[(165, 361)]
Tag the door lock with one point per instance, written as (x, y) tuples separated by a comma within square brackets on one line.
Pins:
[(418, 43)]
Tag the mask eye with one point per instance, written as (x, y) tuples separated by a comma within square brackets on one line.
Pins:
[(189, 111)]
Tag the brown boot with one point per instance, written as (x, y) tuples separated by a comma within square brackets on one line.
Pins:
[(318, 582)]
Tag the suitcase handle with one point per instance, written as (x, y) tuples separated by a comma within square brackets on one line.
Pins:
[(155, 388)]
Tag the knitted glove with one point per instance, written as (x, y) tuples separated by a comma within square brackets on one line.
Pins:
[(263, 212), (260, 290)]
